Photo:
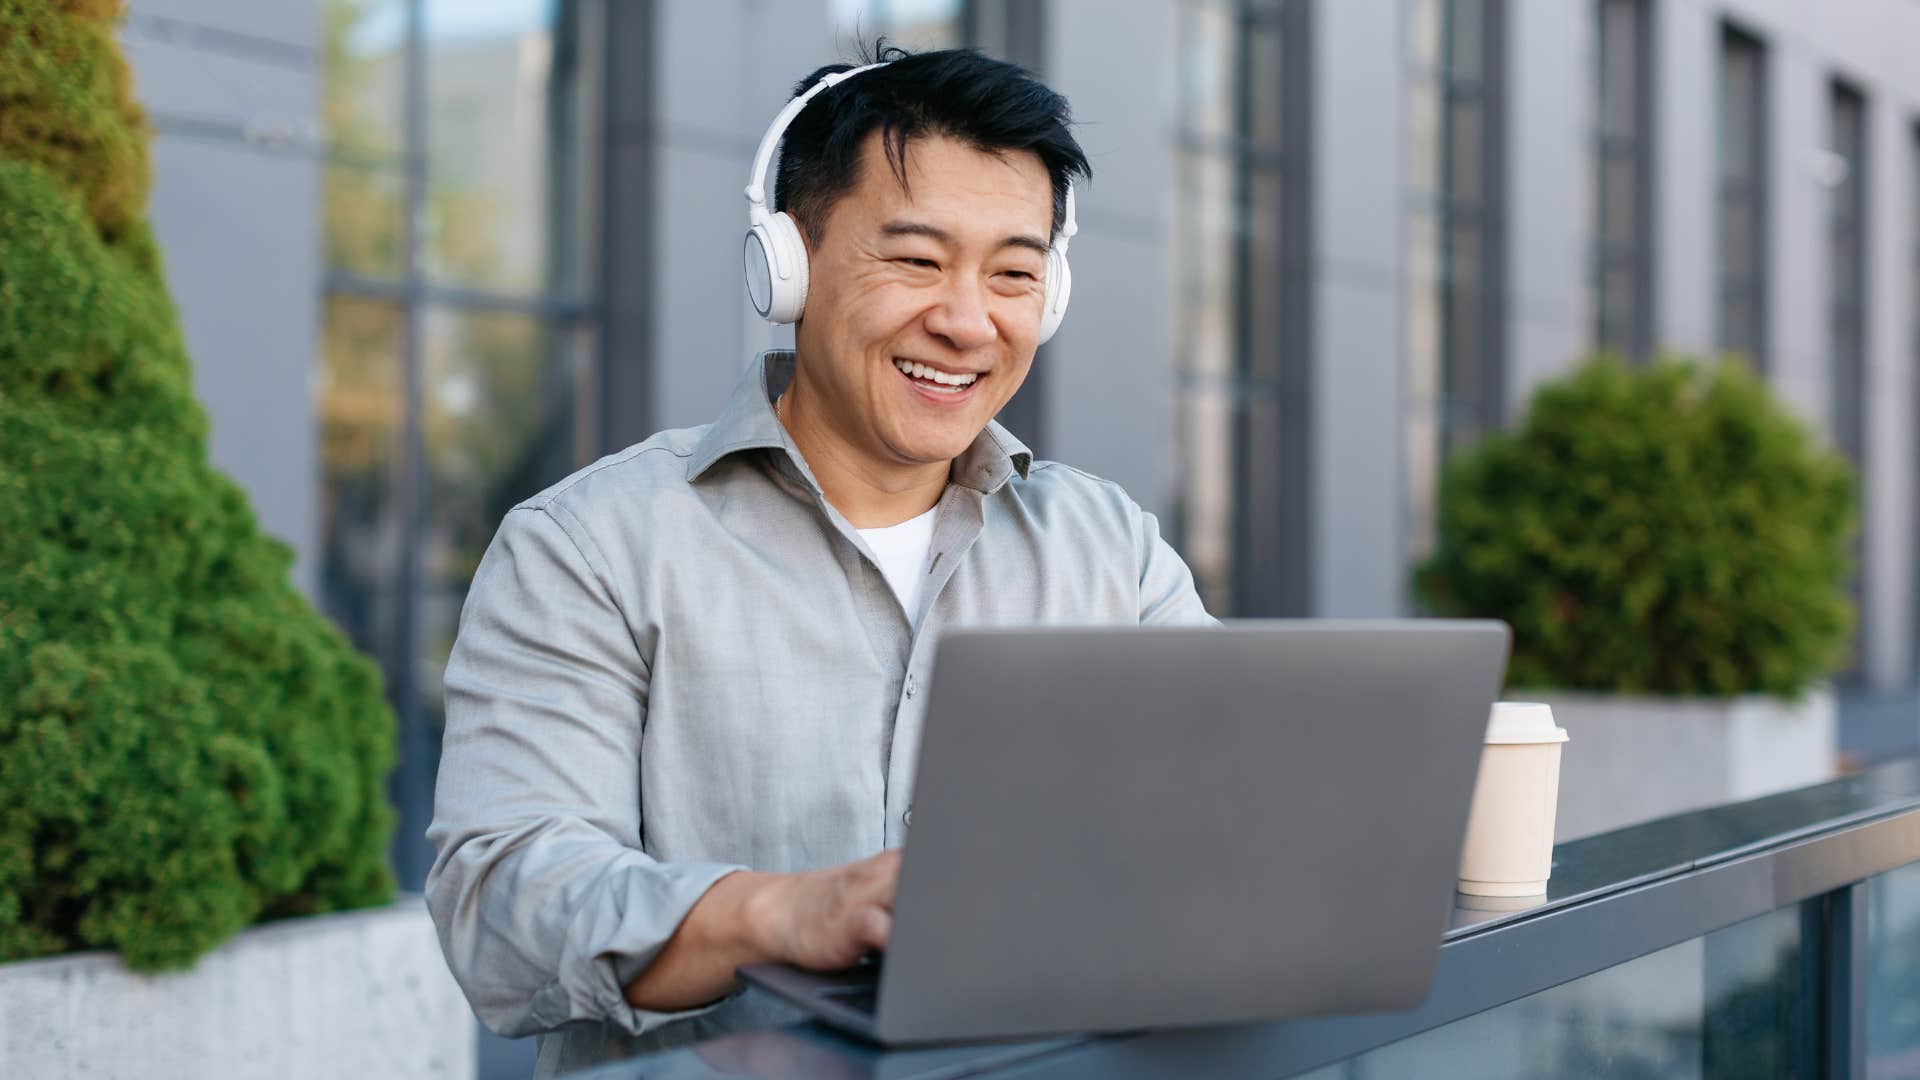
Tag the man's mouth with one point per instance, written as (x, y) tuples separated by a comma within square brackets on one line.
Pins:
[(933, 380)]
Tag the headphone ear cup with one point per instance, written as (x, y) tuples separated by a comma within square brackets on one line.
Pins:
[(776, 265), (1059, 290), (790, 272)]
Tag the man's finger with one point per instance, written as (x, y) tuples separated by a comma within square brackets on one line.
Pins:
[(875, 927)]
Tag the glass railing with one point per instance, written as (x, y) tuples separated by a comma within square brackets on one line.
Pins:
[(1773, 938)]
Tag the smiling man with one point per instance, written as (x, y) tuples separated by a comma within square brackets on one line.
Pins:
[(685, 700)]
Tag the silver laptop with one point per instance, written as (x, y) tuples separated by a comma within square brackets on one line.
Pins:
[(1127, 828)]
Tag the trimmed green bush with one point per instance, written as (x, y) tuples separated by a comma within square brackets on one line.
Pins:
[(1670, 529), (186, 747)]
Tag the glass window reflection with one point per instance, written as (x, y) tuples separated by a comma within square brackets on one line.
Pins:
[(1621, 262), (1893, 973), (1453, 361), (361, 402), (363, 180), (507, 412), (505, 158), (1742, 196), (1730, 1004)]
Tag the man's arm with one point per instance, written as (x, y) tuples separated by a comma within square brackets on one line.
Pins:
[(823, 919), (547, 908), (545, 904)]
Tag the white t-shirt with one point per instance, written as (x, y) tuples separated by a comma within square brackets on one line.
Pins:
[(902, 551)]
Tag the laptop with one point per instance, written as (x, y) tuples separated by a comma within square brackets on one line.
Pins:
[(1125, 828)]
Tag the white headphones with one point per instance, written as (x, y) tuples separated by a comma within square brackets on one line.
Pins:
[(776, 256)]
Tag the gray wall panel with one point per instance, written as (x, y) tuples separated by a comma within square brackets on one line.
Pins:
[(727, 68), (1110, 383), (1110, 378), (1686, 42), (238, 230), (1893, 446), (238, 224), (228, 24), (700, 304), (1358, 146), (1358, 140), (1797, 222), (1358, 544), (256, 91), (1549, 159)]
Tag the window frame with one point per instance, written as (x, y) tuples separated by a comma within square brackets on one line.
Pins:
[(1267, 570), (1457, 420), (1758, 192), (1638, 147)]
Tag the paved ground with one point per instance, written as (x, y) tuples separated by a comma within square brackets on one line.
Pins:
[(1875, 727)]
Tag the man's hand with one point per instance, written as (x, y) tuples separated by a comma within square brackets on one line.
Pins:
[(817, 919), (827, 919)]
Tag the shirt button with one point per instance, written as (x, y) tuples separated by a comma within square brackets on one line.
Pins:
[(913, 686)]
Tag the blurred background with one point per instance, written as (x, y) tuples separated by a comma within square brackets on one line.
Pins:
[(432, 255)]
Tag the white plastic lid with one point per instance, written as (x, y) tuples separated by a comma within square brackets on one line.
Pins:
[(1523, 722)]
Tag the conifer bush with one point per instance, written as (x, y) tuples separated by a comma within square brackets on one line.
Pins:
[(186, 746), (1669, 529)]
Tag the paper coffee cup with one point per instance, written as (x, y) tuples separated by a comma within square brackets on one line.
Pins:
[(1509, 846)]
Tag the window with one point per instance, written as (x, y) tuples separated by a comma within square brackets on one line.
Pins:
[(1846, 266), (1455, 280), (457, 360), (1239, 305), (1621, 275), (1743, 197), (1846, 300), (1913, 344)]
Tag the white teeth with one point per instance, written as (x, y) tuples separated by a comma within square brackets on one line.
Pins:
[(922, 371)]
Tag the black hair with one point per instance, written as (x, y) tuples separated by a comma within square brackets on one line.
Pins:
[(987, 104)]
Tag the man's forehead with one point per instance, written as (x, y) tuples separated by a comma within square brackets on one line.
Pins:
[(941, 171)]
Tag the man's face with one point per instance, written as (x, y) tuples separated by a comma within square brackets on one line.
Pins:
[(943, 279)]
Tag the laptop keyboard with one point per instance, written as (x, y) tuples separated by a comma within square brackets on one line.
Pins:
[(861, 999)]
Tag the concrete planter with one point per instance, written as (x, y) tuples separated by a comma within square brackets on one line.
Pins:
[(360, 994), (1631, 759)]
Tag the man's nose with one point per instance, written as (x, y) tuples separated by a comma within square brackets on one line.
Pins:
[(961, 317)]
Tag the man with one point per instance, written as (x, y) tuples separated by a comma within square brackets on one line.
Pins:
[(686, 696)]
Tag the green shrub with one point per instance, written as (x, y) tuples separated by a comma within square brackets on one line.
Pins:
[(186, 747), (1666, 530)]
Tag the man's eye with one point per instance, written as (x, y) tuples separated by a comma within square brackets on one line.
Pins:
[(927, 263), (1020, 274)]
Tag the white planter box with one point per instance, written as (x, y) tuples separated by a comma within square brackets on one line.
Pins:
[(1632, 759), (359, 994)]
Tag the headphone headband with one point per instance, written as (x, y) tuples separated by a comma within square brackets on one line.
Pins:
[(763, 158)]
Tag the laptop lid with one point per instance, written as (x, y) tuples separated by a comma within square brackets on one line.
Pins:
[(1120, 828)]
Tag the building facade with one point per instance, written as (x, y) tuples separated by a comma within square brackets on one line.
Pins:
[(1326, 245)]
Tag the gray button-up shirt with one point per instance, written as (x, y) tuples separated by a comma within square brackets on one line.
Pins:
[(682, 661)]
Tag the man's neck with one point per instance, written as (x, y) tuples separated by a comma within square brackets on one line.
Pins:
[(869, 494)]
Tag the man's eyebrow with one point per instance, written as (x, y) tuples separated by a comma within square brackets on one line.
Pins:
[(934, 232)]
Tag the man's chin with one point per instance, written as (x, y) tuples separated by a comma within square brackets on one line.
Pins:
[(933, 451)]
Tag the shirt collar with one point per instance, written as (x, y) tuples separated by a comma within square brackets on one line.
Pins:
[(748, 423)]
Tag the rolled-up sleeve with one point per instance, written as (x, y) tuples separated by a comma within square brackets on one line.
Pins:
[(1167, 595), (545, 904)]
